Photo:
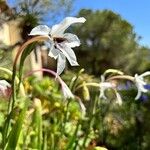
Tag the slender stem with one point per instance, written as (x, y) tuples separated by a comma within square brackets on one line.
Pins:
[(7, 122), (45, 70), (90, 123), (21, 49), (32, 40), (14, 78), (113, 71), (73, 81), (124, 77), (73, 138), (61, 82), (88, 84)]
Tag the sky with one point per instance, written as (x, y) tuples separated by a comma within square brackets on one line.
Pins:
[(137, 12)]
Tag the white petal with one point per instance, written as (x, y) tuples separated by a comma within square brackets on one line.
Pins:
[(102, 93), (119, 99), (147, 73), (142, 82), (72, 40), (58, 29), (102, 78), (106, 85), (40, 30), (3, 86), (61, 62), (4, 83), (66, 91), (142, 88), (69, 53), (82, 107), (53, 52), (138, 94)]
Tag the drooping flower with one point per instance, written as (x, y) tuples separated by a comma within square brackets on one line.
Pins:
[(140, 83), (66, 91), (4, 88), (104, 85), (118, 97), (60, 43)]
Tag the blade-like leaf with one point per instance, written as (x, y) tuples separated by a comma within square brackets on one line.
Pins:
[(24, 55), (16, 130), (37, 125)]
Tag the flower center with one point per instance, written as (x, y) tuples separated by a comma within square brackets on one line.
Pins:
[(59, 39)]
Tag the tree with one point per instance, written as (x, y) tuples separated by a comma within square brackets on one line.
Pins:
[(108, 41)]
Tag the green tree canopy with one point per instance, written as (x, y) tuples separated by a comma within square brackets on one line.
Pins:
[(109, 41)]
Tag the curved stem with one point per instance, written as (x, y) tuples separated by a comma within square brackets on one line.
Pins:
[(90, 123), (21, 49), (88, 84), (62, 83), (34, 39), (45, 70), (7, 122), (113, 71), (124, 77), (14, 78)]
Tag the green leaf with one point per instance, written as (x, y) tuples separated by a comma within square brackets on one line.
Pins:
[(16, 130), (37, 125), (24, 55), (73, 138)]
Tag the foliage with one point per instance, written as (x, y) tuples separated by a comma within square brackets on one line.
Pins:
[(43, 113), (111, 125), (4, 59), (109, 41)]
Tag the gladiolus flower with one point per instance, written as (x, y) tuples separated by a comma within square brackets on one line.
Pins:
[(140, 83), (60, 43)]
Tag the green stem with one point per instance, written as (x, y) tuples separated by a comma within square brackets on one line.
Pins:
[(73, 138), (10, 104), (88, 84), (74, 80), (91, 118), (113, 71), (65, 119), (14, 78)]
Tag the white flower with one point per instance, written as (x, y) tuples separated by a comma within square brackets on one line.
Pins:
[(68, 94), (119, 99), (139, 82), (61, 43), (66, 91), (108, 85), (4, 85), (104, 86)]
